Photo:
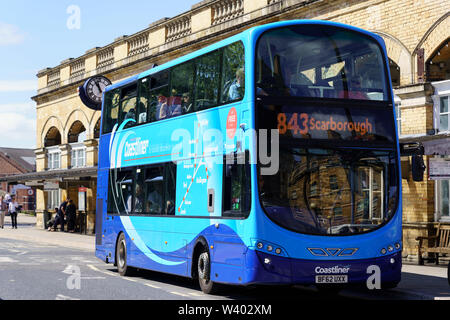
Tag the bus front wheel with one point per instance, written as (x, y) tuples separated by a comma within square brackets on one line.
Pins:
[(121, 257), (204, 273)]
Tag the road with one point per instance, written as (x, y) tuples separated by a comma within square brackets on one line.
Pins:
[(36, 271)]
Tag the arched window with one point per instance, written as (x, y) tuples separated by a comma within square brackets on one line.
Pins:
[(77, 133), (52, 138), (438, 65)]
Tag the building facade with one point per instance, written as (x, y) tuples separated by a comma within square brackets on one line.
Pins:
[(15, 161), (416, 33)]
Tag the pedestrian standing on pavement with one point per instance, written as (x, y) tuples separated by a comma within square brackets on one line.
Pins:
[(61, 215), (2, 212), (7, 198), (71, 212), (12, 208)]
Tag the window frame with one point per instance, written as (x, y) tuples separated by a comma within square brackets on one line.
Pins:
[(52, 154), (76, 149)]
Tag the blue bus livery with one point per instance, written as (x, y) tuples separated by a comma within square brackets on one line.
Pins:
[(183, 186)]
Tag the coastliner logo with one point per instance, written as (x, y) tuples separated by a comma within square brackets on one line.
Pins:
[(332, 270), (136, 148)]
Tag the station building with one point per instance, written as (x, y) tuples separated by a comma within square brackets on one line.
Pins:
[(417, 35)]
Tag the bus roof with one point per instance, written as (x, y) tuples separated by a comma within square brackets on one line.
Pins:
[(246, 34)]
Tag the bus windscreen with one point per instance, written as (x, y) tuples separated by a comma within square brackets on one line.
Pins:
[(320, 62)]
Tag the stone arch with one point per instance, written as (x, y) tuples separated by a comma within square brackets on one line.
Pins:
[(51, 122), (435, 35), (74, 116), (95, 120), (76, 131), (52, 138), (399, 54)]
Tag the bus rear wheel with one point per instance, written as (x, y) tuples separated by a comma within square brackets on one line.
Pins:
[(121, 257), (204, 273)]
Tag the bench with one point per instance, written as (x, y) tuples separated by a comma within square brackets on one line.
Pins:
[(441, 243)]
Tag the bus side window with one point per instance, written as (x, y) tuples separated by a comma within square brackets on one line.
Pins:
[(158, 97), (111, 110), (154, 186), (139, 192), (236, 188), (182, 84), (207, 81), (142, 105), (128, 105), (233, 76)]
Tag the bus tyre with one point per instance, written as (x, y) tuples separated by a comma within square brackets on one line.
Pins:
[(121, 257), (204, 272)]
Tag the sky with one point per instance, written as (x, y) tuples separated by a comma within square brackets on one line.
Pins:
[(35, 35)]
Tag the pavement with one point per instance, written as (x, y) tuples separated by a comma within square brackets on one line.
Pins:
[(427, 282)]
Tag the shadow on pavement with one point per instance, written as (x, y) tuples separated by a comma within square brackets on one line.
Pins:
[(254, 292)]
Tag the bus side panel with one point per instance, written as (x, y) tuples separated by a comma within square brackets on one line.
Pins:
[(102, 235)]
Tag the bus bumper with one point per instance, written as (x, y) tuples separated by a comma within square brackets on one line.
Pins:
[(271, 269)]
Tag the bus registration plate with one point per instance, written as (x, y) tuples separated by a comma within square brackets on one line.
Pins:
[(332, 279)]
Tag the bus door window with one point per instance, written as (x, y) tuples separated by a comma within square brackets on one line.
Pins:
[(233, 76), (170, 185), (154, 190), (111, 110), (142, 105), (207, 81), (182, 85), (128, 105), (159, 92), (236, 187), (139, 189)]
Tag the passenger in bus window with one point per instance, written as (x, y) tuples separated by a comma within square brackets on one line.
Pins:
[(186, 103), (131, 114), (170, 208), (175, 104), (162, 110), (143, 113), (154, 200), (237, 89), (139, 199), (351, 86)]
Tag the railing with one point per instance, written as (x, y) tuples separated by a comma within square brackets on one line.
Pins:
[(178, 28), (138, 44), (105, 58), (54, 79), (77, 68), (227, 10)]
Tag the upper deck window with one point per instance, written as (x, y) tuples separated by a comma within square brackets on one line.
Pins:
[(320, 62), (207, 81)]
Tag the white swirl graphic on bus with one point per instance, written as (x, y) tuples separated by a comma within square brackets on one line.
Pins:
[(119, 143)]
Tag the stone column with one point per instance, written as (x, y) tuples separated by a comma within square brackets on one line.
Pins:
[(66, 156), (91, 152)]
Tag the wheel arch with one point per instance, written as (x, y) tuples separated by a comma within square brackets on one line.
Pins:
[(201, 244)]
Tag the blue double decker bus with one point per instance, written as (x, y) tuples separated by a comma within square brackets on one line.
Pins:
[(270, 157)]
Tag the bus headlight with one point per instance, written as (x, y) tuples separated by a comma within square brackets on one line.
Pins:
[(390, 248), (260, 245), (383, 251), (269, 248), (397, 246)]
